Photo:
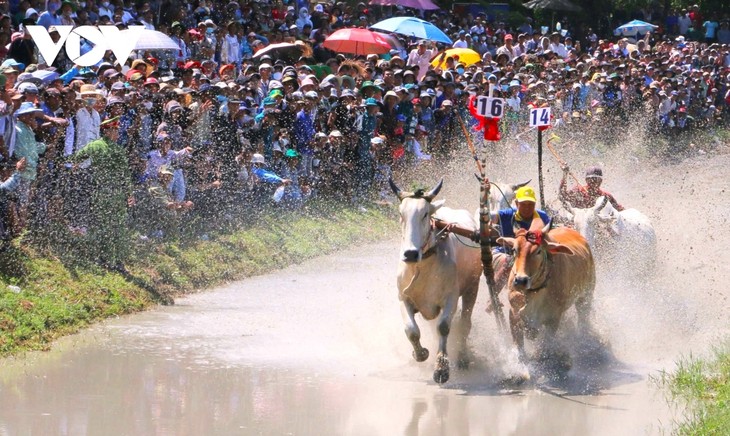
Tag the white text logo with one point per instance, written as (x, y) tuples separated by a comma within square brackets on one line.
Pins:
[(102, 38)]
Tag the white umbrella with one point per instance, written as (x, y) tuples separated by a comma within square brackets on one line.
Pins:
[(150, 40)]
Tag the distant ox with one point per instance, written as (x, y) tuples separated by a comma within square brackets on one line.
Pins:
[(624, 240), (502, 195), (433, 272), (552, 270)]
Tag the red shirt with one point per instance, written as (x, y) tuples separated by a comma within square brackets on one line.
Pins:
[(583, 197)]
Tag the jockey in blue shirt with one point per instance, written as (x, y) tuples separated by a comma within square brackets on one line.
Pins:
[(524, 217), (521, 217)]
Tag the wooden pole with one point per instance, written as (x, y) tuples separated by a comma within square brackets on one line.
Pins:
[(484, 232), (561, 161), (539, 168)]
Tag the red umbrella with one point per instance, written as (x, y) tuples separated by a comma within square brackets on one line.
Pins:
[(357, 41)]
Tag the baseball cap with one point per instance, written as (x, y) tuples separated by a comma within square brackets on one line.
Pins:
[(525, 193)]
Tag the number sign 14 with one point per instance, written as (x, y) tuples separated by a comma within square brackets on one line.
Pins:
[(540, 117), (490, 107)]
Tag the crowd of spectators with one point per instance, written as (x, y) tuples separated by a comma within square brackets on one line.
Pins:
[(216, 130)]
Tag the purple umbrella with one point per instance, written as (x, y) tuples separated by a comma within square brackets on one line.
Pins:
[(413, 4)]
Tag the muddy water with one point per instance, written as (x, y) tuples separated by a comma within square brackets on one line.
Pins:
[(318, 349)]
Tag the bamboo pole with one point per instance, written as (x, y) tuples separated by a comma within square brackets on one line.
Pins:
[(484, 232)]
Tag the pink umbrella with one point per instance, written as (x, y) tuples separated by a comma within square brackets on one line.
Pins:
[(357, 41), (413, 4)]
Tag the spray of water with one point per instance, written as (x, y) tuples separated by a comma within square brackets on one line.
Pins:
[(642, 320)]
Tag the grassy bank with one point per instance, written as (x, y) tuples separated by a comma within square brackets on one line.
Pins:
[(44, 296), (702, 387)]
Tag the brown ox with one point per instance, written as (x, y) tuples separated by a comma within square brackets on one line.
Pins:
[(552, 270)]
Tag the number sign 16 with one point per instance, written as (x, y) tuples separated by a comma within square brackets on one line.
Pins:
[(490, 107), (540, 117)]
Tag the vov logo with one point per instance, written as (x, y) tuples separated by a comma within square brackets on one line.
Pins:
[(103, 38)]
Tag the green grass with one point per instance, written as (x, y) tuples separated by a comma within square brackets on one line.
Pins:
[(702, 387), (59, 297)]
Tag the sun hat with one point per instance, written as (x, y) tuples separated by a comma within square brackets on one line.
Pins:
[(258, 158), (27, 108), (525, 193), (371, 102), (335, 134), (89, 90)]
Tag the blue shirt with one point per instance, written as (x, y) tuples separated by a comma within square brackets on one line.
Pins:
[(507, 220), (304, 132)]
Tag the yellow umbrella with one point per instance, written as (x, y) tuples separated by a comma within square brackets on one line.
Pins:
[(464, 56)]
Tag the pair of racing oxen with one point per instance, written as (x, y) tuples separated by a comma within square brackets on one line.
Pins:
[(553, 269)]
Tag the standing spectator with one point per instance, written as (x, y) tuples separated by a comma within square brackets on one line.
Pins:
[(710, 27), (421, 57), (231, 48), (304, 130), (26, 147), (461, 42), (88, 121), (684, 22)]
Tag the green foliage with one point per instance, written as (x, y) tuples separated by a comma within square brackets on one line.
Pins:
[(703, 387), (58, 296)]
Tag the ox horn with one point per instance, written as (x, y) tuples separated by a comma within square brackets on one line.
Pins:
[(547, 227), (398, 193), (433, 192), (517, 186)]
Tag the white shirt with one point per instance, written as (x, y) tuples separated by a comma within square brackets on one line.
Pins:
[(559, 49), (87, 127), (231, 50), (148, 26), (509, 52), (460, 44), (421, 60)]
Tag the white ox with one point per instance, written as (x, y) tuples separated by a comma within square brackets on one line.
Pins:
[(433, 272), (624, 240)]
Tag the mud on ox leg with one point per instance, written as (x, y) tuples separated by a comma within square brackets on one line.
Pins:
[(441, 373), (420, 353)]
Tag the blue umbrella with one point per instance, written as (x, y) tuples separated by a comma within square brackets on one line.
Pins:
[(411, 26), (633, 27)]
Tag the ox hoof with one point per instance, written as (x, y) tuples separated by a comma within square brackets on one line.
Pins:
[(441, 374), (421, 355)]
